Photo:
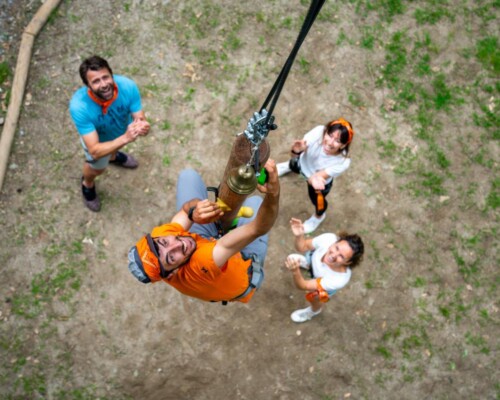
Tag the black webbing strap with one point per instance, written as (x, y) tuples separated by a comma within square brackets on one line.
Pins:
[(275, 92)]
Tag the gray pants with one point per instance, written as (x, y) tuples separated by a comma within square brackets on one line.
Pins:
[(190, 186)]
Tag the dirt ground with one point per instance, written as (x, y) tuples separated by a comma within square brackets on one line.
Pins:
[(419, 319)]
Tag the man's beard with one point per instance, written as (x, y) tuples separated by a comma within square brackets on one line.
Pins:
[(105, 93)]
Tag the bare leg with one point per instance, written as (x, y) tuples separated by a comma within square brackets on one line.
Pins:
[(316, 305), (89, 175)]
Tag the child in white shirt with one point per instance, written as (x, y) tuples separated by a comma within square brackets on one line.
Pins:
[(320, 156)]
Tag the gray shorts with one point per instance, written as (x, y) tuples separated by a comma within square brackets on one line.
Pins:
[(100, 163)]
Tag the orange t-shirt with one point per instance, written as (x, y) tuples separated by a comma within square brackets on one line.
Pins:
[(200, 277)]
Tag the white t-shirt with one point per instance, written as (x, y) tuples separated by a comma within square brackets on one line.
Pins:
[(315, 159), (331, 280)]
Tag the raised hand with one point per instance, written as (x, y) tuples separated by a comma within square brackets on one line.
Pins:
[(297, 227)]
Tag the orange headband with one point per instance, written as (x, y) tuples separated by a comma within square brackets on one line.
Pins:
[(347, 125), (146, 250)]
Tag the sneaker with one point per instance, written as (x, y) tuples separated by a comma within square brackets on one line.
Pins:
[(301, 259), (90, 198), (124, 160), (312, 223), (283, 168), (303, 315)]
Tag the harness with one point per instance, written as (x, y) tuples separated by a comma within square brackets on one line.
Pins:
[(255, 278)]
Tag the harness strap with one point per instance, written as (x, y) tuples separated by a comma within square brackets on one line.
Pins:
[(255, 278), (320, 200)]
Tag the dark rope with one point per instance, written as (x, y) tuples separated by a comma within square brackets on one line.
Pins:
[(275, 91)]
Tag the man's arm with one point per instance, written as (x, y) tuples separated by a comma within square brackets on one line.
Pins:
[(99, 149), (237, 239)]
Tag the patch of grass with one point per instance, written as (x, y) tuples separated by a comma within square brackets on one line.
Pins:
[(190, 91), (304, 65), (384, 352), (395, 58), (165, 126), (355, 99), (60, 282), (441, 159), (368, 37), (53, 16), (5, 72), (232, 42), (419, 282), (388, 148), (467, 269), (443, 96), (477, 341), (342, 38), (287, 22), (490, 119), (433, 183), (386, 9), (488, 53), (427, 184), (493, 198), (166, 161), (392, 8), (423, 66), (432, 14)]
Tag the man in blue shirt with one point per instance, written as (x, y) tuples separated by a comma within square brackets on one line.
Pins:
[(107, 113)]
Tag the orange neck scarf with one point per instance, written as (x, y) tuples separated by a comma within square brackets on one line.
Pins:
[(104, 103)]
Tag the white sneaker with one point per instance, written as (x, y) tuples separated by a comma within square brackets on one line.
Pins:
[(304, 314), (312, 223), (301, 259), (283, 168)]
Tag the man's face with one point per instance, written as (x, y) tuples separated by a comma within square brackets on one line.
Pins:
[(101, 83), (174, 251), (338, 255)]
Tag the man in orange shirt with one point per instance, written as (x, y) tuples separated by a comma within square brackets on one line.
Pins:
[(186, 254)]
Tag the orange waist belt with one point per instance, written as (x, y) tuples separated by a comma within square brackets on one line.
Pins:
[(319, 294)]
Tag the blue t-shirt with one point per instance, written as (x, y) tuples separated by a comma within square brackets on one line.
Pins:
[(88, 117)]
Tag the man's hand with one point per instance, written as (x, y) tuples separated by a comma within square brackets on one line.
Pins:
[(272, 186), (206, 211), (297, 227), (134, 130), (142, 125)]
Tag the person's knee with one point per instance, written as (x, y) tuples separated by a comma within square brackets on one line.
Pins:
[(89, 171), (188, 173), (190, 177)]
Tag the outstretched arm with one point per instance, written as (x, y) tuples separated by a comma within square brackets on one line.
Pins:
[(301, 243), (237, 239)]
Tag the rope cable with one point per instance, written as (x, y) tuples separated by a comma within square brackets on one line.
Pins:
[(275, 91)]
